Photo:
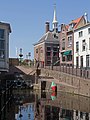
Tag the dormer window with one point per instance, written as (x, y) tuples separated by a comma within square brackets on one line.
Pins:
[(71, 26)]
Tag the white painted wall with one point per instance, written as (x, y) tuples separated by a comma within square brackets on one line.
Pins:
[(85, 36)]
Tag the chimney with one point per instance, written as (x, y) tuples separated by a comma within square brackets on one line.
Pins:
[(47, 26)]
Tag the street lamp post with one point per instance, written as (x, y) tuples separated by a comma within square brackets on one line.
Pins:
[(29, 55), (20, 55)]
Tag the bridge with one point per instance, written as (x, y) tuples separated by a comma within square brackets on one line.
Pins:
[(67, 78)]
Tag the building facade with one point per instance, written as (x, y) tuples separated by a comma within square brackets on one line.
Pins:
[(67, 40), (5, 29), (46, 50), (82, 46)]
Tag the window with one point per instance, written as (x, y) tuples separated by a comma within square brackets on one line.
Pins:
[(81, 61), (2, 44), (83, 45), (77, 62), (77, 46), (48, 53), (2, 33), (63, 44), (69, 41), (88, 30), (36, 50), (87, 60), (55, 49), (2, 54), (55, 36), (80, 33), (63, 58), (48, 58), (69, 57), (48, 48), (55, 53)]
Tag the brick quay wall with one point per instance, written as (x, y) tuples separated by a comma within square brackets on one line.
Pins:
[(68, 83)]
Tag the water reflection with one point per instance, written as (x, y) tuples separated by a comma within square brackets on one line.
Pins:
[(26, 112), (30, 105), (53, 95)]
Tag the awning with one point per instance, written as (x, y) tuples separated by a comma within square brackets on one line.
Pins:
[(67, 52)]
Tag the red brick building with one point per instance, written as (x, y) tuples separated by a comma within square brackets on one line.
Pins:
[(46, 50), (67, 40)]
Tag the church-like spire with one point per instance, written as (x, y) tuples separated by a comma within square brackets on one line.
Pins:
[(55, 22)]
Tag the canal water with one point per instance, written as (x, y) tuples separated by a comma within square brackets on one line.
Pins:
[(37, 105)]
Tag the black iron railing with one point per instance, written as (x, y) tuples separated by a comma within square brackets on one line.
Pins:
[(71, 69)]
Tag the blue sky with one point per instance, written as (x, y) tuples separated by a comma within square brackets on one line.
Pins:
[(27, 19)]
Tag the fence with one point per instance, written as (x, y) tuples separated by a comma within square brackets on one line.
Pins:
[(73, 70)]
